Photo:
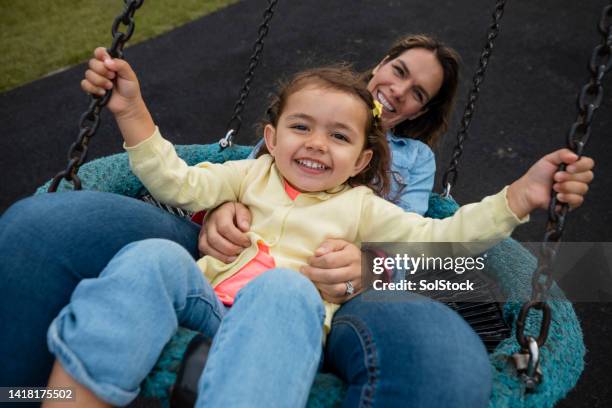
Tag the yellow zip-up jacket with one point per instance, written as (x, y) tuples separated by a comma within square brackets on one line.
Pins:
[(293, 229)]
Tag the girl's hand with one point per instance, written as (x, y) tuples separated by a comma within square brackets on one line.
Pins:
[(105, 73), (223, 233), (532, 190), (334, 263)]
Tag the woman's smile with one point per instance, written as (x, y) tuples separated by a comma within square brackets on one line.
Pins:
[(385, 102)]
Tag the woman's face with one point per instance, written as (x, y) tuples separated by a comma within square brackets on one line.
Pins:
[(405, 84)]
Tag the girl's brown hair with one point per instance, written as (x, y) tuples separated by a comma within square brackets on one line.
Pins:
[(432, 124), (341, 78)]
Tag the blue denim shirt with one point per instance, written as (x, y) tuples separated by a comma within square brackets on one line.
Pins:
[(414, 164)]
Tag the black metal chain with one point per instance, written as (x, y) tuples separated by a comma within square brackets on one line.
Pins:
[(450, 176), (589, 100), (234, 124), (90, 120)]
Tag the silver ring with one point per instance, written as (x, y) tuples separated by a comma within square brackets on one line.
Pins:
[(349, 288)]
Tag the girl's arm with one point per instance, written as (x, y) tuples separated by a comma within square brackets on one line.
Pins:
[(494, 217), (126, 103), (152, 158), (486, 222), (170, 180)]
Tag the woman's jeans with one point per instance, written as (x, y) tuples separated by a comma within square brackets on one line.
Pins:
[(390, 353)]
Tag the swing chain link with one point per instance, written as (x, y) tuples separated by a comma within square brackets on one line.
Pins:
[(591, 94), (127, 18), (450, 176), (528, 365), (90, 120), (589, 100), (234, 124)]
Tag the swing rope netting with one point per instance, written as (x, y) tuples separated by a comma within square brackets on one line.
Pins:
[(534, 359)]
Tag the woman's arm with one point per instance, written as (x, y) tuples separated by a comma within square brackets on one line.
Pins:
[(415, 164), (255, 149)]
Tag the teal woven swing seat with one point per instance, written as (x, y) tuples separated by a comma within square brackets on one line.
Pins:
[(510, 265)]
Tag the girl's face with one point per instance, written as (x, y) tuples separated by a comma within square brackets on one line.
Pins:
[(318, 142), (405, 84)]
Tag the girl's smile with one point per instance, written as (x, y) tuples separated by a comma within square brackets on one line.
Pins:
[(312, 166)]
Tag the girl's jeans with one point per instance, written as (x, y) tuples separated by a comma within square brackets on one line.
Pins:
[(113, 330), (390, 353)]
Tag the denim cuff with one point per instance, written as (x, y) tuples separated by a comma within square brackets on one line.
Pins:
[(74, 366)]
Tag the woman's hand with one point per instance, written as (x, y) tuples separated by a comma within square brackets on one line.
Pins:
[(334, 263), (223, 232)]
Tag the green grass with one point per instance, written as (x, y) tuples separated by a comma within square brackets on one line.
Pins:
[(38, 37)]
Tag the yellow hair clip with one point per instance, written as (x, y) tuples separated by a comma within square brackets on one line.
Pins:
[(377, 110)]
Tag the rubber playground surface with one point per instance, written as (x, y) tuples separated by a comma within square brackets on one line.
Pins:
[(191, 78)]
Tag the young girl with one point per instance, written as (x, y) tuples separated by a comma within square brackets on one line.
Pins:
[(326, 154)]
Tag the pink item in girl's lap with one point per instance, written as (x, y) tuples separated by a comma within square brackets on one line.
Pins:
[(228, 289)]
